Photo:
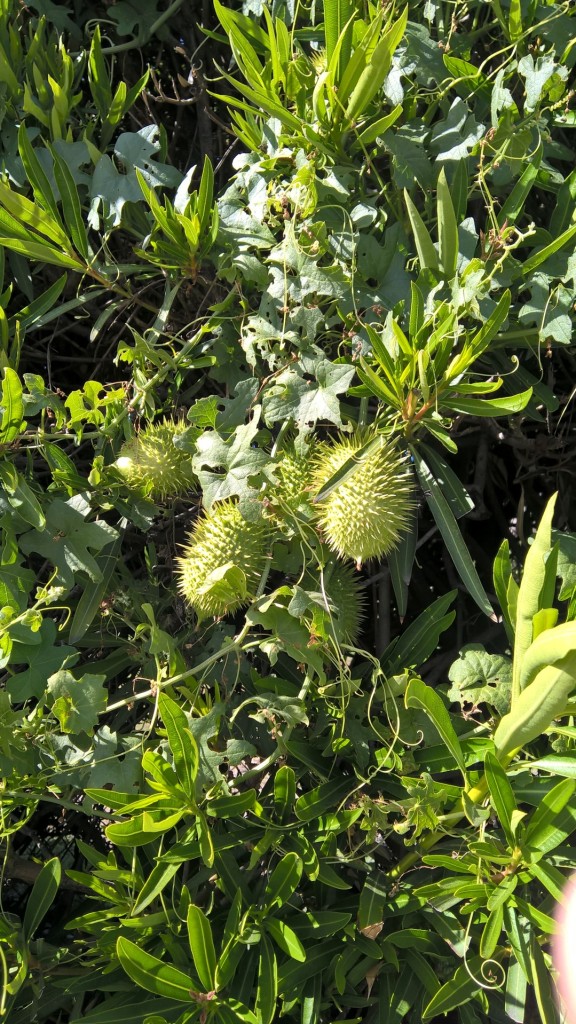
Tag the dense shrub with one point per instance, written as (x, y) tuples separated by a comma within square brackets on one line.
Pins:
[(287, 631)]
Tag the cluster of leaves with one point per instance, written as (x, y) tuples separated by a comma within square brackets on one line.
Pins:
[(392, 250)]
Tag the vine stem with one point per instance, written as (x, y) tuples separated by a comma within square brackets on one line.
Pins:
[(161, 684), (476, 795), (281, 746)]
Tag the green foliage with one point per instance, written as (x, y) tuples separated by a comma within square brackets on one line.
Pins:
[(224, 750)]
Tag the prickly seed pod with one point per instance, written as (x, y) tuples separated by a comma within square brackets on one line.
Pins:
[(340, 610), (222, 562), (364, 515), (152, 464), (294, 474)]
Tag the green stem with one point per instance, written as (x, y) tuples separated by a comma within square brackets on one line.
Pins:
[(161, 684), (143, 37), (283, 740)]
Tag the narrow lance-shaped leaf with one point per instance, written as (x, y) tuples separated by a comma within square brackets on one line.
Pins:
[(400, 563), (71, 207), (43, 253), (12, 407), (420, 639), (33, 216), (43, 191), (492, 407), (529, 593), (447, 228), (479, 342), (418, 695), (451, 534), (267, 988), (515, 202), (202, 946), (283, 880), (425, 248), (505, 585), (42, 896), (338, 29), (373, 76), (182, 744), (502, 795)]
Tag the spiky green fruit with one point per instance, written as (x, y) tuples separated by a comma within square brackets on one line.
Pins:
[(222, 562), (365, 514), (339, 610), (294, 474), (151, 463)]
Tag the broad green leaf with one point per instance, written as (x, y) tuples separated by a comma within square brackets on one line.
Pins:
[(42, 896), (152, 974), (557, 764), (481, 678), (515, 21), (447, 228), (233, 806), (77, 703), (519, 931), (141, 829), (418, 695), (338, 15), (531, 585), (283, 880), (286, 938), (267, 985), (550, 877), (182, 744), (21, 497), (556, 646), (359, 58), (377, 128), (449, 529), (536, 707), (284, 791), (501, 794), (202, 946), (12, 407)]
